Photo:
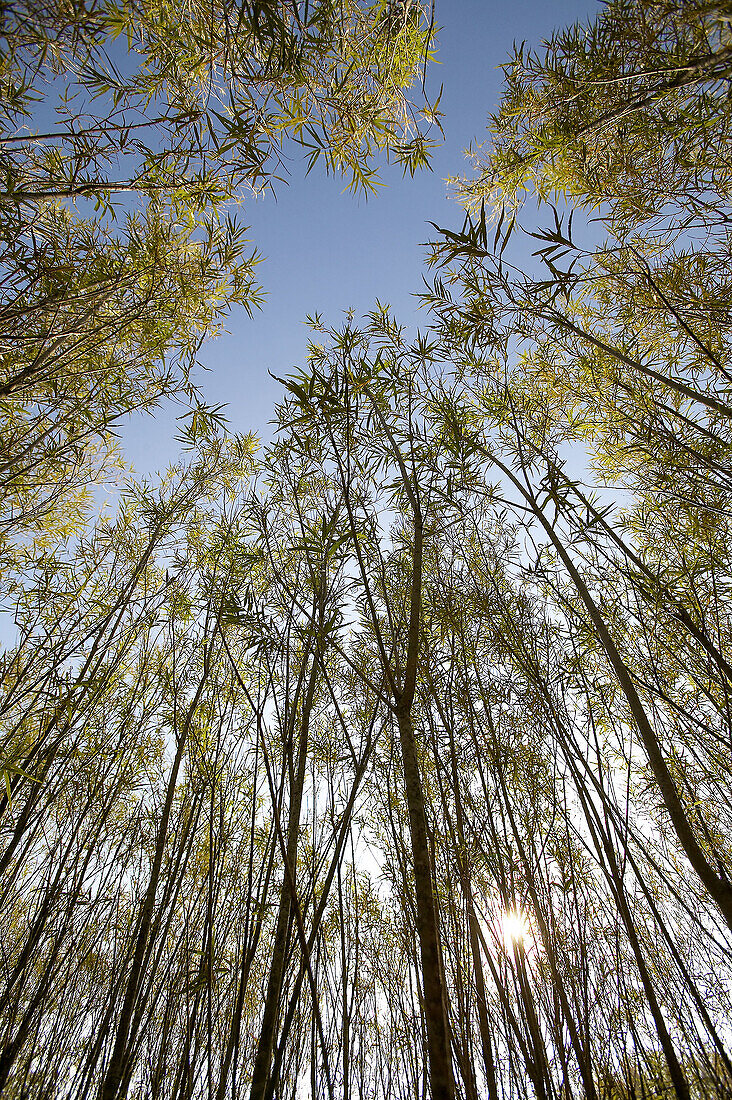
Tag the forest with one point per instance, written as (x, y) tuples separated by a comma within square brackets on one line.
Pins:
[(390, 758)]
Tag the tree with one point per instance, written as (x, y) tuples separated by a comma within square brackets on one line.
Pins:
[(627, 115), (594, 321), (346, 409), (121, 254)]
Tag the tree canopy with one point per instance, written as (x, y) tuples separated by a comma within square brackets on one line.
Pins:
[(129, 134)]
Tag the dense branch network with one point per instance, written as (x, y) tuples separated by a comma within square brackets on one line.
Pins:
[(392, 760)]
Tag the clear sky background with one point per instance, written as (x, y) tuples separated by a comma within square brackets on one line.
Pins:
[(326, 250)]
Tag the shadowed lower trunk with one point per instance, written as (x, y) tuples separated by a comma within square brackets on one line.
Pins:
[(438, 1037), (435, 1004)]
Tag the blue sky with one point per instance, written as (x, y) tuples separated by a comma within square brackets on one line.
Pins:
[(326, 250)]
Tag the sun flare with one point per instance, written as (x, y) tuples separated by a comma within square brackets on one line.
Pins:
[(514, 928)]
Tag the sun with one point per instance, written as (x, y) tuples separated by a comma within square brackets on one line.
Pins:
[(514, 928)]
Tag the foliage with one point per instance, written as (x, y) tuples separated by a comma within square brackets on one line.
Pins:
[(391, 760), (128, 132), (628, 114)]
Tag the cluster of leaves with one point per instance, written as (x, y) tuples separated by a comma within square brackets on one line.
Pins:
[(127, 133)]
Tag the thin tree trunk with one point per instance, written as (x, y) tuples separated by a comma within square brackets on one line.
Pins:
[(435, 1006), (438, 1042)]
